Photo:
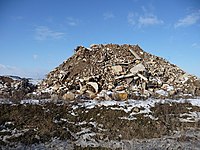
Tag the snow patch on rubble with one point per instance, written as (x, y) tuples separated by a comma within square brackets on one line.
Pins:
[(162, 92), (127, 106), (190, 117), (194, 102), (30, 101)]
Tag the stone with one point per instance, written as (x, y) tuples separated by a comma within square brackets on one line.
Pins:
[(82, 89), (54, 97), (184, 77), (134, 53), (129, 80), (136, 109), (110, 86), (91, 94), (117, 69), (94, 85), (69, 96), (138, 68), (125, 76), (120, 88), (55, 87), (197, 91), (142, 77), (120, 95)]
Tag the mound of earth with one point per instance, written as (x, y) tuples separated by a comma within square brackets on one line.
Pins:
[(119, 72)]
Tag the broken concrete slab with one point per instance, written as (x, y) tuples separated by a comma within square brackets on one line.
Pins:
[(94, 85), (134, 53), (138, 68)]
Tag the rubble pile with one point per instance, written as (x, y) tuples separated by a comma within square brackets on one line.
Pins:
[(13, 87), (120, 72)]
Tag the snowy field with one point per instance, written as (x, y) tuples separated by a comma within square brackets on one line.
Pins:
[(130, 124)]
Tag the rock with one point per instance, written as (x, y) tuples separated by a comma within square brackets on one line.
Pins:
[(172, 93), (94, 86), (117, 69), (56, 87), (138, 68), (136, 109), (125, 76), (54, 97), (120, 95), (197, 83), (69, 96), (90, 94), (183, 78), (197, 91), (136, 55), (120, 88), (82, 89), (142, 77)]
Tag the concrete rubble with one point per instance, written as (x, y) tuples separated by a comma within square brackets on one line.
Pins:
[(120, 72), (16, 88)]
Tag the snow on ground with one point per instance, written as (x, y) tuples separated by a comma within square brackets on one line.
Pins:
[(131, 107), (190, 117), (35, 81)]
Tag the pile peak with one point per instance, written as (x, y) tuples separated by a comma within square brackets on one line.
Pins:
[(111, 71)]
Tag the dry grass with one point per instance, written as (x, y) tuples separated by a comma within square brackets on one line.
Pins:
[(45, 122)]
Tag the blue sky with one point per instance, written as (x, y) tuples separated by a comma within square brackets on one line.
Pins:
[(38, 35)]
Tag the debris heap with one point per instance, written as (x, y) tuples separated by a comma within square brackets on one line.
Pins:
[(118, 72), (16, 88)]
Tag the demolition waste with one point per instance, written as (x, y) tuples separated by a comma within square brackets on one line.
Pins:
[(117, 72), (107, 72), (16, 88)]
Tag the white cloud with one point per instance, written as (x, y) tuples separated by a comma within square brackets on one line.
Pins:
[(145, 20), (196, 45), (149, 20), (9, 70), (108, 15), (44, 33), (72, 21), (131, 18), (188, 20)]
